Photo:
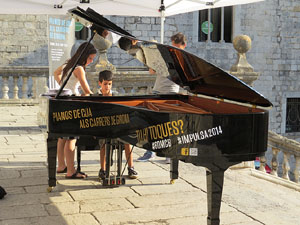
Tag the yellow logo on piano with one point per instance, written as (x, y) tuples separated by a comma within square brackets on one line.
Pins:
[(184, 151)]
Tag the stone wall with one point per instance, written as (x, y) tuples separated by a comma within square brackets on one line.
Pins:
[(272, 25), (23, 40), (275, 34)]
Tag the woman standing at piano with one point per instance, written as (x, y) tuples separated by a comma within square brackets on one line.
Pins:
[(66, 145)]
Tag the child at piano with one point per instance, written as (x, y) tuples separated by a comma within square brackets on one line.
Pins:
[(105, 83), (66, 145)]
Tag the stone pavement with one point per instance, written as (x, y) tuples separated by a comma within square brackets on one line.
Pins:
[(150, 199)]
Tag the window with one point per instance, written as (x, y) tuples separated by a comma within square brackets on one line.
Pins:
[(293, 115), (81, 33), (220, 20)]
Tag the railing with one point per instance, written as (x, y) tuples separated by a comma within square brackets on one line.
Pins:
[(127, 81), (280, 164), (288, 166), (22, 85)]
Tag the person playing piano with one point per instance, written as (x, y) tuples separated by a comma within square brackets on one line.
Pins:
[(66, 145), (105, 83)]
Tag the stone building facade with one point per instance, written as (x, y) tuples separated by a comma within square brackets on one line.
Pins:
[(23, 40), (273, 26)]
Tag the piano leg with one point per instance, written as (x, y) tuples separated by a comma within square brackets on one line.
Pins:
[(79, 148), (52, 152), (214, 182), (119, 164), (174, 170), (108, 153)]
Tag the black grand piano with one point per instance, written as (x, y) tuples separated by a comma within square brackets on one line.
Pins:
[(221, 122)]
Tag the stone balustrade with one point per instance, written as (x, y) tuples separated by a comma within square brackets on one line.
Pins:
[(22, 85), (291, 155), (127, 81)]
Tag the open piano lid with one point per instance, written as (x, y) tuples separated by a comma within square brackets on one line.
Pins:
[(201, 77), (187, 70)]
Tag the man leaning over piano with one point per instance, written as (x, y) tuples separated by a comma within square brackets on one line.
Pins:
[(150, 56)]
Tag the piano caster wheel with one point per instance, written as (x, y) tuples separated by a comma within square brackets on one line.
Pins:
[(172, 181), (49, 189)]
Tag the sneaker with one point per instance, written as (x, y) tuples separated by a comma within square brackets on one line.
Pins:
[(101, 174), (168, 161), (132, 174), (147, 156)]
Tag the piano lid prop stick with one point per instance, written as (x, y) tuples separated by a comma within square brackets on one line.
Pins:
[(127, 160), (74, 66)]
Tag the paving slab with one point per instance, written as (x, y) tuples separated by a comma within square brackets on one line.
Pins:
[(149, 214), (102, 193), (109, 204), (17, 211), (75, 219)]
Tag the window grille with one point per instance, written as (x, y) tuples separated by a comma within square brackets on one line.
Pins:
[(220, 29), (293, 115)]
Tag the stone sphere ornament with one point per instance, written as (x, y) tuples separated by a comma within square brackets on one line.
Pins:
[(242, 69), (242, 43)]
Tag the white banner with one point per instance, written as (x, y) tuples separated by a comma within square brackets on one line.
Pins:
[(61, 33)]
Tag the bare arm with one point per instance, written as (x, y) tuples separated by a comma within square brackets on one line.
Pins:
[(58, 74), (80, 74)]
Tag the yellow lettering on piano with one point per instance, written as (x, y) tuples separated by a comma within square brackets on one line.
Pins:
[(113, 120), (175, 129), (122, 119), (82, 125), (87, 112), (142, 135), (169, 128), (161, 131), (152, 132), (100, 121), (60, 116), (76, 113), (86, 123)]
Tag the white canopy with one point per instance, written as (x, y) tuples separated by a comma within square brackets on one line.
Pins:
[(115, 7), (152, 8)]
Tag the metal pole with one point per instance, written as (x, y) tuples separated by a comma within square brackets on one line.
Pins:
[(222, 25), (162, 21), (208, 20), (162, 30)]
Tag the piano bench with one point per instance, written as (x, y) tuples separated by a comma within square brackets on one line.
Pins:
[(90, 144)]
